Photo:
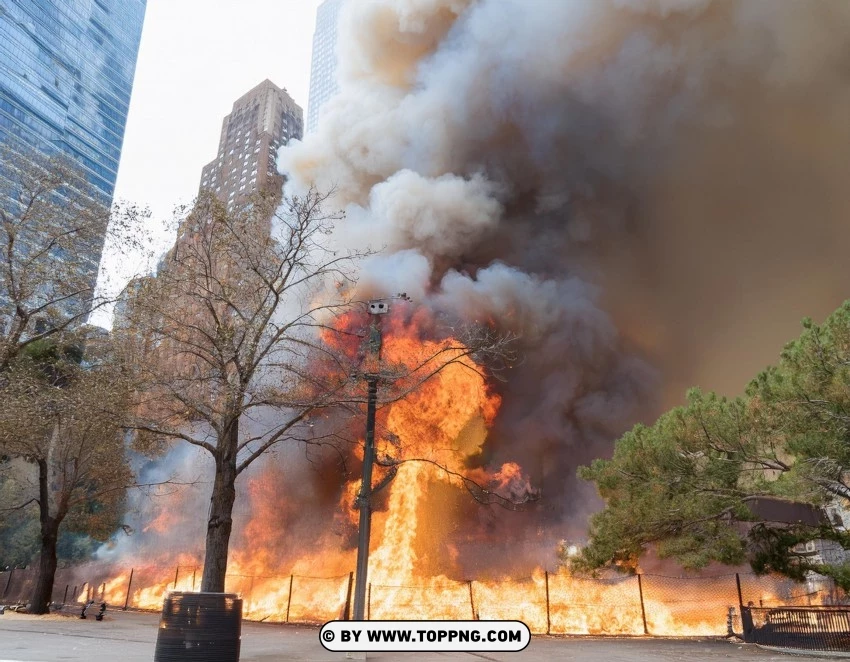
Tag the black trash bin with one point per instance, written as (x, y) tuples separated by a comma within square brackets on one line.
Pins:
[(206, 627)]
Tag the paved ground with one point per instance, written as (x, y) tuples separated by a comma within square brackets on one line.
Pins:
[(131, 637)]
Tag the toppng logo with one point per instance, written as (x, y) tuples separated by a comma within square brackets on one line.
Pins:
[(400, 636)]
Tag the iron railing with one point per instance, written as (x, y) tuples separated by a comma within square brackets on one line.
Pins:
[(803, 628)]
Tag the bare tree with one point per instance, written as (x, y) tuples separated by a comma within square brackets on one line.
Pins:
[(53, 224), (224, 329), (61, 424), (243, 318)]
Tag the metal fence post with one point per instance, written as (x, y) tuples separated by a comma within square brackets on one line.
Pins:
[(194, 570), (65, 597), (369, 603), (642, 608), (548, 616), (471, 601), (289, 598), (129, 584), (740, 595), (250, 596), (74, 594), (347, 612), (176, 574), (8, 582)]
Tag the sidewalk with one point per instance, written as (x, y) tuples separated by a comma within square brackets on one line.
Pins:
[(131, 637)]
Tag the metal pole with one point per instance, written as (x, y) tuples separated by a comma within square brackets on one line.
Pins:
[(548, 617), (74, 594), (176, 574), (364, 499), (642, 608), (194, 570), (289, 599), (129, 584), (365, 502), (369, 603), (347, 613), (471, 601), (65, 597)]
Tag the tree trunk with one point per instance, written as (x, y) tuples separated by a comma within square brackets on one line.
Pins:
[(43, 589), (220, 523)]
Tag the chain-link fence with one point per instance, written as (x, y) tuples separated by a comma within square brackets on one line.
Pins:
[(587, 606), (548, 602), (442, 599)]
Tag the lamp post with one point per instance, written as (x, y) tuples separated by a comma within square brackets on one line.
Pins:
[(364, 498)]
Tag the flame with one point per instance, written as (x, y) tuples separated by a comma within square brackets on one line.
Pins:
[(162, 523), (433, 438)]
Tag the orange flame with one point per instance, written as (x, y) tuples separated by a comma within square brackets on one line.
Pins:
[(430, 436)]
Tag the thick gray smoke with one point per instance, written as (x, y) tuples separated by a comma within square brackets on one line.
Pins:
[(651, 192)]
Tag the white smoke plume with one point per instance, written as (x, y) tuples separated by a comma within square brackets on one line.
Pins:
[(651, 192)]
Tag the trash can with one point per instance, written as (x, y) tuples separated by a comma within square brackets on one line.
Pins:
[(206, 627)]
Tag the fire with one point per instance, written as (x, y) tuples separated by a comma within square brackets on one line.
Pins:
[(162, 523), (433, 438)]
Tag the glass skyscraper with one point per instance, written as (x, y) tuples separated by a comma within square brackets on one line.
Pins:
[(323, 83), (66, 72)]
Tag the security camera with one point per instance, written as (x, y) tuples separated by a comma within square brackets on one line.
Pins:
[(378, 308)]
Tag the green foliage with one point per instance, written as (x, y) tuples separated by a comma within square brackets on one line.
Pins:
[(20, 544), (772, 550), (19, 527), (684, 484), (65, 470), (48, 351), (76, 547)]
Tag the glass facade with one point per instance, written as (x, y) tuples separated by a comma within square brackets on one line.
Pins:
[(323, 82), (66, 72)]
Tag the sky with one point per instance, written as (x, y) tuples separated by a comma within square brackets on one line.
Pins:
[(196, 58)]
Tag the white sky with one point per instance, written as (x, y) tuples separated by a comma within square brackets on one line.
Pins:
[(196, 58)]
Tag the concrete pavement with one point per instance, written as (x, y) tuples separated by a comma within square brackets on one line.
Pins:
[(131, 637)]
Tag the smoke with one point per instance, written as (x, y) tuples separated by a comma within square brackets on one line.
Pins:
[(166, 523), (651, 192), (162, 520)]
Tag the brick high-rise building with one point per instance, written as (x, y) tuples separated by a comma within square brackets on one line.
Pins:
[(323, 82), (261, 121)]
